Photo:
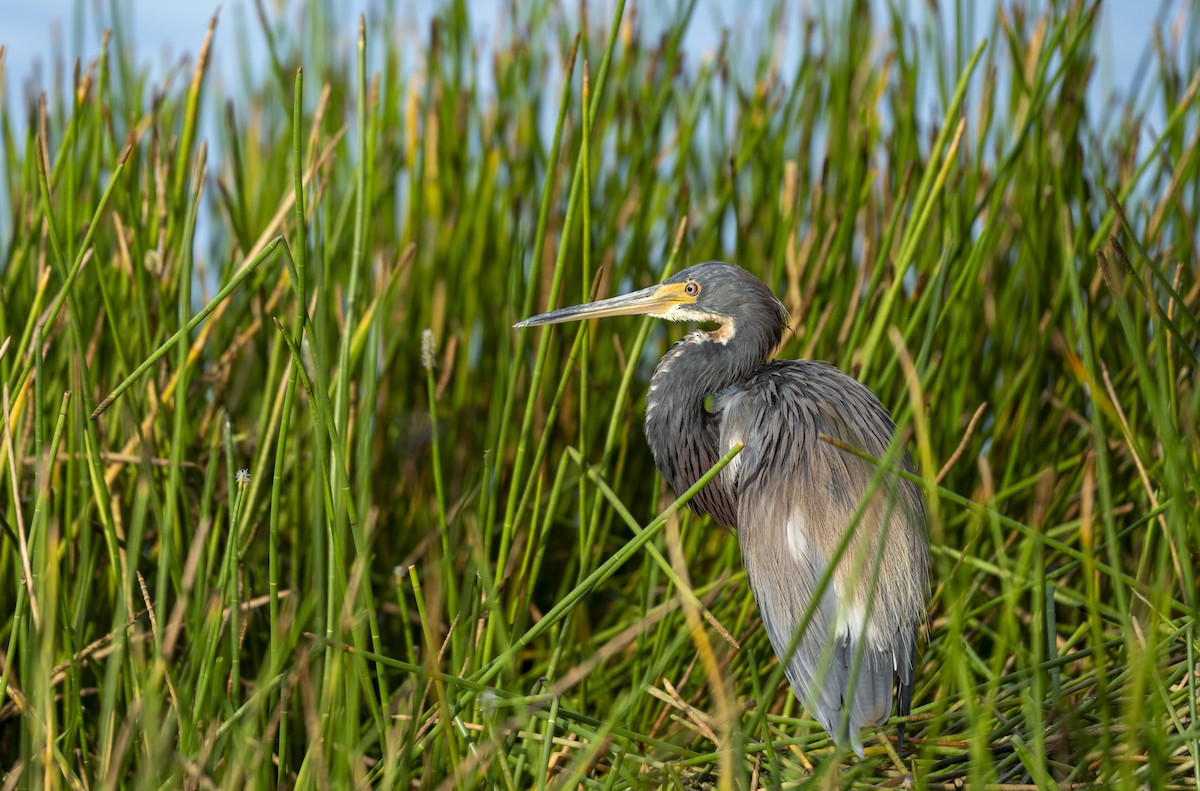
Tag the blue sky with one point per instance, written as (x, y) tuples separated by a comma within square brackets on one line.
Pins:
[(163, 31)]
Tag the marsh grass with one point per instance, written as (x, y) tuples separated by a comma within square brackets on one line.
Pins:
[(450, 562)]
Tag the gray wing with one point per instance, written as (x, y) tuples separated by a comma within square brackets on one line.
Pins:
[(796, 498)]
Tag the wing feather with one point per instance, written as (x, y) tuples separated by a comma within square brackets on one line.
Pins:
[(796, 497)]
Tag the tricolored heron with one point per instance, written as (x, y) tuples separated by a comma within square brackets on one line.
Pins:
[(791, 495)]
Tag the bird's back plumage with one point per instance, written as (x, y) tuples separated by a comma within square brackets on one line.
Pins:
[(797, 496)]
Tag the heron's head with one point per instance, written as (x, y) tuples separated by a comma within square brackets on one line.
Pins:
[(710, 292)]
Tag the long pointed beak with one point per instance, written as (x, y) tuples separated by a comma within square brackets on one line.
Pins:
[(653, 301)]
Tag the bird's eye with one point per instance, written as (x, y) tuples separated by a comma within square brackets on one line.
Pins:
[(692, 288)]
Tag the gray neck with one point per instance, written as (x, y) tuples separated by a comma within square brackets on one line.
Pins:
[(682, 433)]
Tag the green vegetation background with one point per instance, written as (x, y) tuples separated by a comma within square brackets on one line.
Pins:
[(451, 563)]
